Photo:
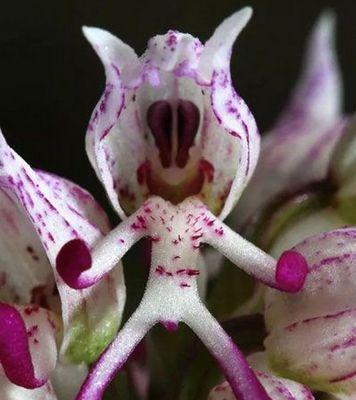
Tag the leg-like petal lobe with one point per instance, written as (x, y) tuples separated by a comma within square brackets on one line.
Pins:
[(231, 360), (59, 212), (28, 350), (115, 356)]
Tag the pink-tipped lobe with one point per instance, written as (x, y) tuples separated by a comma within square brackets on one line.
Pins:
[(74, 258), (291, 271)]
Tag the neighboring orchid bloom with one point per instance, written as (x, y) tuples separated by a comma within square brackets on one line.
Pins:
[(39, 212), (276, 387), (312, 335), (320, 207), (174, 146), (297, 150)]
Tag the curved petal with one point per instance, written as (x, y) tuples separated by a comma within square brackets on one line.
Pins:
[(318, 94), (326, 308), (217, 50), (307, 130), (220, 151), (67, 379), (114, 55), (342, 172), (61, 211), (24, 266), (277, 389), (230, 143), (28, 351)]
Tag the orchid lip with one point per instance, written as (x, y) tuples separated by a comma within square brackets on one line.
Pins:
[(171, 293)]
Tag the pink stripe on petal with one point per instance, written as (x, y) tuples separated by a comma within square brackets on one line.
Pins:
[(291, 271), (15, 355)]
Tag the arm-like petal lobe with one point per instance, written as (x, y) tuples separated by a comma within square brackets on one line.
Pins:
[(59, 212)]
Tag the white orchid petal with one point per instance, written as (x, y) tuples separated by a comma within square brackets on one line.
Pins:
[(325, 308), (10, 391), (67, 379), (277, 389), (162, 128), (217, 49), (24, 265), (305, 133), (28, 350), (318, 94), (61, 211)]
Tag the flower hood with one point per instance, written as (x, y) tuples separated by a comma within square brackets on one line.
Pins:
[(169, 123)]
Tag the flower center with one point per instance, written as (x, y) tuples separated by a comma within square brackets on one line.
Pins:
[(179, 171), (174, 130)]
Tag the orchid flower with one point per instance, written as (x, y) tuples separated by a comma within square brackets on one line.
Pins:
[(174, 146), (320, 207), (297, 150), (277, 388), (295, 155), (312, 334), (39, 213)]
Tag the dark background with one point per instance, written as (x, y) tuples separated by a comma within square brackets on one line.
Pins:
[(51, 79)]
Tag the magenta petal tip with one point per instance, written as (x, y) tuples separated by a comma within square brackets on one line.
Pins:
[(74, 258), (291, 271), (15, 356)]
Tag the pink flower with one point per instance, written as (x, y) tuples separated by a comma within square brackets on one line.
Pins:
[(174, 146)]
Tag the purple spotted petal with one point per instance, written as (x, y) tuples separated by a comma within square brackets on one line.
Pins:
[(59, 211), (170, 123), (306, 132), (277, 388), (22, 334), (325, 308), (25, 271)]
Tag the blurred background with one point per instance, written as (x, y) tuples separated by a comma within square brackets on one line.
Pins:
[(51, 79)]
